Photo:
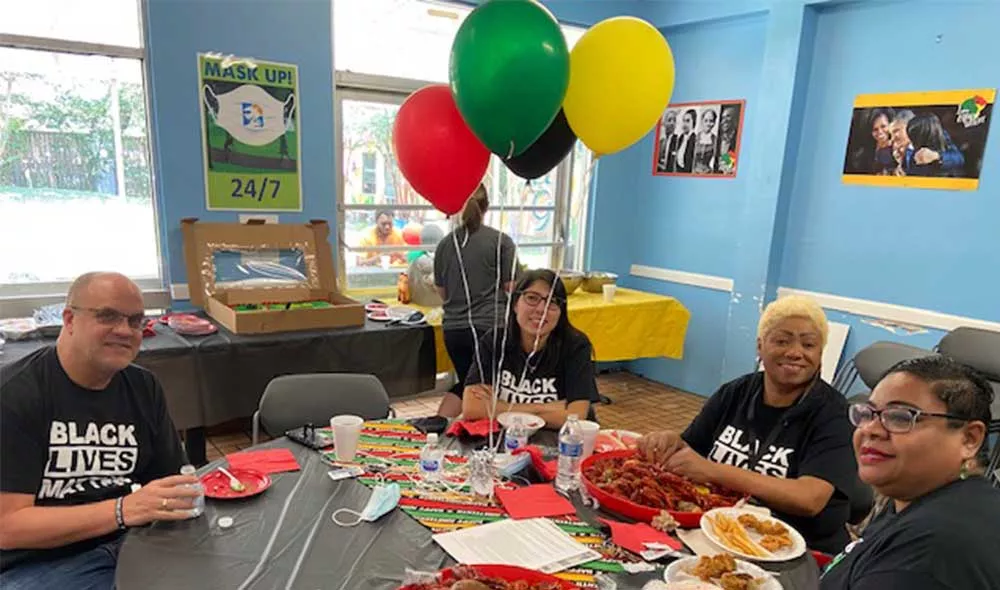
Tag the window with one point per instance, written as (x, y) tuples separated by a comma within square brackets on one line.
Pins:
[(545, 219), (74, 148)]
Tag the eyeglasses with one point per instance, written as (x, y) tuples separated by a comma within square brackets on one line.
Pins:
[(895, 419), (112, 317), (534, 300)]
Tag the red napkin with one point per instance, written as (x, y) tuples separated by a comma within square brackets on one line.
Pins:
[(266, 461), (534, 501), (635, 536), (547, 470), (473, 427)]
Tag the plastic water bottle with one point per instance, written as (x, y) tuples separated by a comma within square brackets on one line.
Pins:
[(431, 460), (570, 454), (516, 436), (199, 502)]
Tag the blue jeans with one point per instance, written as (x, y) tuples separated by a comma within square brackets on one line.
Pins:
[(90, 570)]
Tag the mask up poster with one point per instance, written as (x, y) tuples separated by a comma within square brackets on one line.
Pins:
[(250, 134)]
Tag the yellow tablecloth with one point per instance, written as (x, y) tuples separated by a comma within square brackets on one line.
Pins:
[(635, 325)]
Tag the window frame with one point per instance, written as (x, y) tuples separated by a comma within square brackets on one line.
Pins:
[(21, 299), (352, 86)]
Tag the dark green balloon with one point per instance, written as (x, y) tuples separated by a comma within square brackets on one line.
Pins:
[(509, 72)]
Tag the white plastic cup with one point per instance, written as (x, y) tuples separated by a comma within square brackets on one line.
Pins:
[(609, 292), (346, 432), (386, 261), (589, 428)]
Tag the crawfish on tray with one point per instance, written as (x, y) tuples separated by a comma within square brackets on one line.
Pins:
[(651, 485)]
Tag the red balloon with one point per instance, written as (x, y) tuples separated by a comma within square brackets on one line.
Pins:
[(411, 233), (436, 151)]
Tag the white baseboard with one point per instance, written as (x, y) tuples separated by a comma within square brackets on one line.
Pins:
[(894, 313), (683, 277)]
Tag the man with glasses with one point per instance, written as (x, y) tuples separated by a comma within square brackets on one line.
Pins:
[(80, 429)]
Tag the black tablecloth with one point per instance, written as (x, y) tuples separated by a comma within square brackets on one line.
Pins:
[(212, 379), (284, 538)]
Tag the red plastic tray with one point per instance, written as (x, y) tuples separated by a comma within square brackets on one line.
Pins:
[(508, 573), (617, 504)]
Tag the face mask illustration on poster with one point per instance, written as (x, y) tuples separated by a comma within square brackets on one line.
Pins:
[(250, 114)]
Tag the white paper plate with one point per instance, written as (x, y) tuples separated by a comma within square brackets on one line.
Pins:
[(400, 312), (798, 543), (530, 421), (677, 573), (378, 316)]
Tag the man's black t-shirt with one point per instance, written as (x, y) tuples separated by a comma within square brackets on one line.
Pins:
[(67, 445), (812, 438), (947, 540), (559, 371)]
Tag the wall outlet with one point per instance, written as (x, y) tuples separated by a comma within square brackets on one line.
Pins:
[(246, 217)]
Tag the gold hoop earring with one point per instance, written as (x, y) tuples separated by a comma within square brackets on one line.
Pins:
[(963, 473)]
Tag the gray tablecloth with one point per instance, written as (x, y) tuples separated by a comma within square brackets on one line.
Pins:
[(284, 538), (212, 379)]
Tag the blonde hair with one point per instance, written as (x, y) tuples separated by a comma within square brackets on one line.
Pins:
[(793, 306)]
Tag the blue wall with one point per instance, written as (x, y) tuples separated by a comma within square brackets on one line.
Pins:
[(920, 248), (177, 30), (788, 220)]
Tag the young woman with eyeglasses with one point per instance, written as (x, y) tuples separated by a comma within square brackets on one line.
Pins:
[(780, 435), (547, 367), (916, 441)]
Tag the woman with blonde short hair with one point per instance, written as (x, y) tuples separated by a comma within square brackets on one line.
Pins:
[(780, 435)]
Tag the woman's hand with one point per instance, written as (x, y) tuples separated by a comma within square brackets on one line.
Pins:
[(691, 465), (657, 447), (480, 392), (926, 156)]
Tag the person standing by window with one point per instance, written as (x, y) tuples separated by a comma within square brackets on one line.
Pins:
[(474, 290), (383, 233)]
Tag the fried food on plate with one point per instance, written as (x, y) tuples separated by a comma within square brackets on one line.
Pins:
[(713, 566), (733, 581), (776, 542), (764, 527), (733, 535)]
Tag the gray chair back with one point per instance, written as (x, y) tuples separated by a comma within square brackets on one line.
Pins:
[(979, 349), (291, 401), (872, 362)]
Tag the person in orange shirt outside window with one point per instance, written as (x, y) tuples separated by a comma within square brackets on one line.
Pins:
[(383, 233)]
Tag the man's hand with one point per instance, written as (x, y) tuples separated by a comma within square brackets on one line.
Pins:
[(691, 465), (926, 156), (657, 447), (162, 499)]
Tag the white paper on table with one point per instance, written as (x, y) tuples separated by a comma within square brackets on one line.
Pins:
[(535, 543)]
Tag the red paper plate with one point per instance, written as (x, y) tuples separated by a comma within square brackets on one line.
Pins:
[(625, 507), (217, 484), (507, 573)]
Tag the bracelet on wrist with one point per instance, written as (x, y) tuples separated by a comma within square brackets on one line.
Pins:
[(120, 513)]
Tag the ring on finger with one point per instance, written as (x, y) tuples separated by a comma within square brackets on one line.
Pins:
[(163, 504)]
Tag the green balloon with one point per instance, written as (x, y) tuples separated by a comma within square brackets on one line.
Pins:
[(509, 72)]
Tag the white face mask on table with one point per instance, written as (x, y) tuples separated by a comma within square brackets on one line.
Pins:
[(383, 499)]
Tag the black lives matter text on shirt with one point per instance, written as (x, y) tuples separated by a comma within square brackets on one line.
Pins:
[(88, 456), (811, 438), (563, 371), (67, 445)]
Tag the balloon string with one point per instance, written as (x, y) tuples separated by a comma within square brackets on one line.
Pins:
[(510, 298), (468, 302)]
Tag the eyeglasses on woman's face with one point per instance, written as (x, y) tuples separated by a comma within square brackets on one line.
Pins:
[(534, 299), (895, 419)]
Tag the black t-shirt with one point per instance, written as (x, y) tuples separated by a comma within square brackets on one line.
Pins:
[(947, 540), (559, 371), (68, 445), (813, 438)]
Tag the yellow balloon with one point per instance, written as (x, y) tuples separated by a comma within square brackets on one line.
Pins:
[(621, 76)]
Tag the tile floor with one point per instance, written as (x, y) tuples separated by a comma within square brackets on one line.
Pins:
[(639, 404)]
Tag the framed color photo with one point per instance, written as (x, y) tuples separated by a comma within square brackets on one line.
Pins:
[(919, 139), (699, 139)]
